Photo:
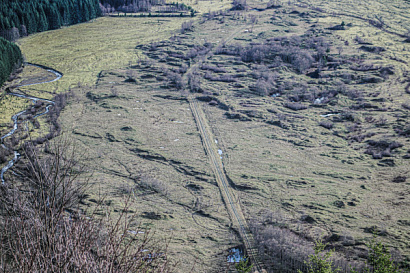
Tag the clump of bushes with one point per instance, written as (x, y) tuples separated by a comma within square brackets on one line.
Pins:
[(187, 26), (406, 105), (239, 5), (379, 260), (4, 153), (381, 148), (153, 184), (212, 68), (295, 106), (194, 82), (405, 131), (283, 250), (361, 137), (261, 87), (326, 124), (175, 80), (221, 78), (399, 179), (298, 52)]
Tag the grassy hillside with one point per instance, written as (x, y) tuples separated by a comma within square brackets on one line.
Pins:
[(308, 103)]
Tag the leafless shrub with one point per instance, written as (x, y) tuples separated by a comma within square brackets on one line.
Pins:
[(114, 91), (194, 83), (175, 80), (222, 78), (4, 153), (177, 55), (187, 26), (255, 53), (386, 153), (326, 124), (302, 61), (296, 106), (272, 4), (193, 53), (381, 121), (406, 105), (60, 102), (283, 250), (360, 138), (43, 231), (354, 127), (182, 69), (212, 68), (79, 243), (131, 75), (55, 177), (373, 49), (150, 183), (23, 30), (378, 21), (10, 34), (305, 93), (200, 205), (399, 179), (36, 123), (345, 116), (354, 93), (281, 50), (360, 40), (253, 19), (261, 87), (199, 50), (404, 131), (238, 5), (381, 148)]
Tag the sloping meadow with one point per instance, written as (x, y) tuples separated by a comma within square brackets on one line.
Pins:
[(310, 108)]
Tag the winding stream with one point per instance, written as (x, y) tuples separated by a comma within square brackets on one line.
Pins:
[(15, 117)]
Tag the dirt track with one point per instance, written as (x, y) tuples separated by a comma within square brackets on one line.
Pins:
[(228, 195)]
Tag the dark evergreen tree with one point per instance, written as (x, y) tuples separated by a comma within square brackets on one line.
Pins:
[(10, 58)]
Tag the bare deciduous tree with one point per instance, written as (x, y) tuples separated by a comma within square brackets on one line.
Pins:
[(42, 228), (187, 26)]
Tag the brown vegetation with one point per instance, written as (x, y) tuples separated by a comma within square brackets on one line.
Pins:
[(43, 229)]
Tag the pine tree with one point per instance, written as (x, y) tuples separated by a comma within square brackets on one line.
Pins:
[(244, 266), (319, 262), (379, 259), (10, 58)]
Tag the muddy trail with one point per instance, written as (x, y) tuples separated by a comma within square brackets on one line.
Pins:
[(14, 118)]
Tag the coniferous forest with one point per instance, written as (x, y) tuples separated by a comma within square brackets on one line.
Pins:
[(20, 18), (10, 58), (129, 5)]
